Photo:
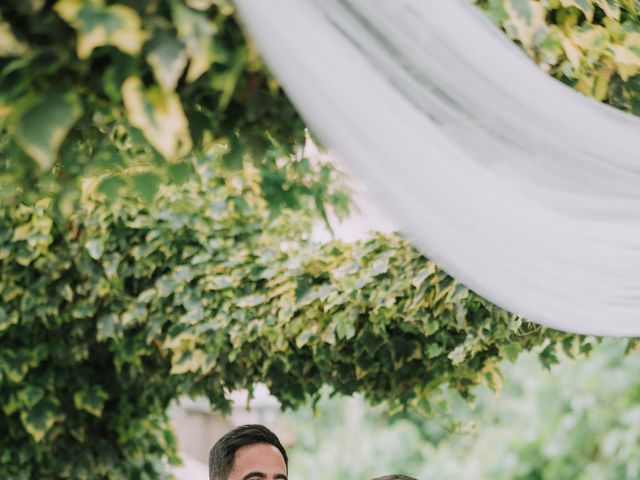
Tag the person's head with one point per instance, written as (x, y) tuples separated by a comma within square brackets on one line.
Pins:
[(249, 452), (395, 476)]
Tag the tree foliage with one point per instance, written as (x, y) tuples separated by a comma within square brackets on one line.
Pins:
[(591, 45), (181, 262), (136, 90), (579, 420), (108, 318)]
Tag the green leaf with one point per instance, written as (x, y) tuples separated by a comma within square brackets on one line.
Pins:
[(168, 59), (98, 25), (43, 122), (511, 351), (15, 366), (496, 11), (10, 46), (146, 185), (8, 319), (159, 115), (179, 173), (30, 395), (91, 400), (111, 186), (521, 8), (95, 247), (39, 419), (584, 6), (611, 8), (108, 327), (197, 33), (188, 361)]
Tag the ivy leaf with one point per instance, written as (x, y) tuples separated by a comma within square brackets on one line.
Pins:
[(611, 8), (180, 172), (584, 6), (160, 117), (39, 419), (108, 327), (168, 60), (511, 351), (8, 319), (197, 33), (10, 46), (98, 25), (111, 186), (15, 366), (146, 184), (188, 361), (496, 11), (42, 123), (95, 247), (91, 400), (30, 395), (522, 9), (526, 19)]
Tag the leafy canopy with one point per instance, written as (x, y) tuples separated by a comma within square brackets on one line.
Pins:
[(109, 317), (156, 206), (591, 45)]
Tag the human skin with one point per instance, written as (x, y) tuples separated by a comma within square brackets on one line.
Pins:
[(259, 461)]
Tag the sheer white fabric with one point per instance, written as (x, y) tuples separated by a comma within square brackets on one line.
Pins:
[(521, 188)]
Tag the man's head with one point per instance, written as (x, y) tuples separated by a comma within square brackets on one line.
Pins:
[(395, 476), (249, 452)]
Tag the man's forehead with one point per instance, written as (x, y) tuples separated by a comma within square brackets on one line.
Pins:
[(259, 460)]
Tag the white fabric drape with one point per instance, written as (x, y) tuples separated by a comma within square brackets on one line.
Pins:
[(521, 188)]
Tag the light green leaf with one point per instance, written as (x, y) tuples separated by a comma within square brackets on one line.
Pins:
[(611, 8), (306, 336), (108, 327), (457, 355), (188, 361), (98, 25), (496, 11), (168, 59), (179, 172), (526, 19), (511, 351), (160, 117), (146, 184), (584, 6), (111, 186), (22, 232), (250, 300), (197, 33), (95, 247), (9, 44), (346, 324), (43, 122)]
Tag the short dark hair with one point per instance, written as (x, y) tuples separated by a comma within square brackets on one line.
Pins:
[(395, 476), (222, 455)]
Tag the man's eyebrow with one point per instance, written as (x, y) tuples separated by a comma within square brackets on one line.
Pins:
[(254, 474), (277, 476)]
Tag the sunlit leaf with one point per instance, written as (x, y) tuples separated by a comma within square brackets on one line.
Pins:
[(168, 60), (98, 25), (159, 115)]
